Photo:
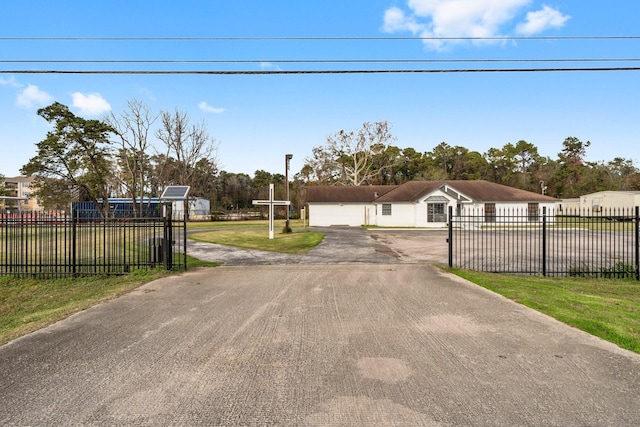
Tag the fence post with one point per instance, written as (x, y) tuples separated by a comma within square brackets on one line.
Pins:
[(184, 240), (167, 243), (544, 240), (450, 236), (74, 221), (637, 242)]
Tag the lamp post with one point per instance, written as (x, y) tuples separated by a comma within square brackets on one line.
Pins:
[(287, 158)]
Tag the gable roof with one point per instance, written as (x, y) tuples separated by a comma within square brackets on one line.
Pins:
[(485, 191), (409, 191), (478, 190)]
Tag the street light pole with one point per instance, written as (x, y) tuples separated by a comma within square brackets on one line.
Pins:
[(287, 158)]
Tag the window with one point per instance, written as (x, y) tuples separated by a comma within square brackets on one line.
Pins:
[(436, 212), (386, 209), (489, 212), (532, 212)]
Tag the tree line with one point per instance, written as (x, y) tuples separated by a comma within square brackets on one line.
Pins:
[(368, 156), (138, 153)]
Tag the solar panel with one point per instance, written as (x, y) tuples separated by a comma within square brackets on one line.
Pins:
[(175, 192)]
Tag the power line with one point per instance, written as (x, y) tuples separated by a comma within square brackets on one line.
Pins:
[(282, 72), (618, 37), (303, 61)]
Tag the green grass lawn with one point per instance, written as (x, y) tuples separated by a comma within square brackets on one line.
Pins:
[(298, 242), (30, 304), (606, 308), (278, 224)]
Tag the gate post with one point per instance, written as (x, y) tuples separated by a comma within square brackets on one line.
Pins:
[(167, 241), (544, 240), (637, 241), (184, 240), (450, 237)]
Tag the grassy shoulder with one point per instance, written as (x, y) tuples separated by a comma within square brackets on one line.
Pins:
[(606, 308), (27, 305), (261, 223), (298, 242)]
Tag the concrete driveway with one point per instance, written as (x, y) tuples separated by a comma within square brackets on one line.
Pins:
[(342, 245), (343, 344)]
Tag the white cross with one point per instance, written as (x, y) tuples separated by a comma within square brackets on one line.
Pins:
[(271, 204)]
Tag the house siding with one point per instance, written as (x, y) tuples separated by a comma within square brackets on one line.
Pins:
[(508, 212), (402, 215), (351, 214)]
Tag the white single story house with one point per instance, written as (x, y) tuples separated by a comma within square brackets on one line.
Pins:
[(420, 203)]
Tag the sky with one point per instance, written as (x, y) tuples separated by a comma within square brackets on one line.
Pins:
[(256, 119)]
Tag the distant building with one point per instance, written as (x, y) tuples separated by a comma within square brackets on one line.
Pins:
[(20, 194), (607, 200), (199, 208)]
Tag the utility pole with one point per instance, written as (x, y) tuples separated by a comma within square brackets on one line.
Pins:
[(287, 158)]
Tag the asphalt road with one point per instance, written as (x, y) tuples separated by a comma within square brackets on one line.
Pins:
[(340, 343)]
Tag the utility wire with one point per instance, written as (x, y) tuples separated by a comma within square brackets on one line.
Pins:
[(274, 72), (619, 37), (303, 61)]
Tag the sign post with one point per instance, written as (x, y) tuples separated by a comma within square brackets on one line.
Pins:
[(271, 202)]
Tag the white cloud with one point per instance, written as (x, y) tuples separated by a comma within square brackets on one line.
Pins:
[(11, 81), (147, 93), (542, 20), (395, 20), (90, 104), (269, 66), (32, 96), (209, 109), (466, 19)]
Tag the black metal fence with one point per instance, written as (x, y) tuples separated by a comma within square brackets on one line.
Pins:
[(60, 244), (604, 243)]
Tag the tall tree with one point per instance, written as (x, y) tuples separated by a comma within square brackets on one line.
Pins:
[(387, 166), (525, 156), (412, 164), (76, 152), (132, 128), (187, 144), (623, 174), (322, 167), (347, 158), (572, 169), (501, 164), (442, 158)]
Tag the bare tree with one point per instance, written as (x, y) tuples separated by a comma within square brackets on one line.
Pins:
[(348, 156), (132, 128), (186, 144)]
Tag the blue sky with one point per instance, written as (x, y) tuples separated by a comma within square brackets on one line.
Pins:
[(257, 119)]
